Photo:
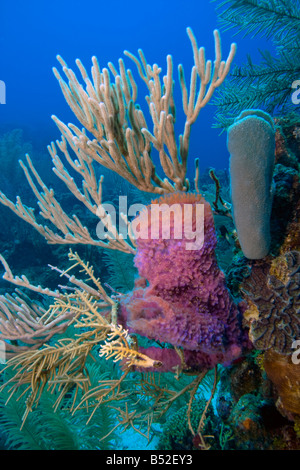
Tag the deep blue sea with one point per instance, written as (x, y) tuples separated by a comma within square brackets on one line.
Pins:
[(32, 33)]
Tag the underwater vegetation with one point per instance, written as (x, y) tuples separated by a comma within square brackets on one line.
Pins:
[(185, 328), (268, 83)]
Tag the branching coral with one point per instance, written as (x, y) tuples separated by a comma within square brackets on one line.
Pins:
[(62, 366), (117, 136), (107, 110), (25, 324)]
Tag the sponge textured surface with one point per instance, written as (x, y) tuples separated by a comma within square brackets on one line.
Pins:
[(251, 143)]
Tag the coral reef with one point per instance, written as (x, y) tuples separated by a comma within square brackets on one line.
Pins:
[(184, 300), (274, 322), (122, 142), (271, 289), (285, 375), (183, 316), (245, 403), (246, 420), (284, 221), (177, 435)]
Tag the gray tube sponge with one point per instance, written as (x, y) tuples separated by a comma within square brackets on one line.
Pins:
[(251, 143)]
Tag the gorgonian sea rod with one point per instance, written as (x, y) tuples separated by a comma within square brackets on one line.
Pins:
[(180, 296)]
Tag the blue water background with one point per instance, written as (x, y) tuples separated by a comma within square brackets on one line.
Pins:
[(32, 33)]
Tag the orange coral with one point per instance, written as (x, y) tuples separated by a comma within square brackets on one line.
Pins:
[(247, 424), (285, 376)]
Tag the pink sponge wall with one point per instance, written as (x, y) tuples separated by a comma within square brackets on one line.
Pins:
[(184, 301)]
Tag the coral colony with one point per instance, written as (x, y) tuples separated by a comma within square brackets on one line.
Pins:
[(182, 315)]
